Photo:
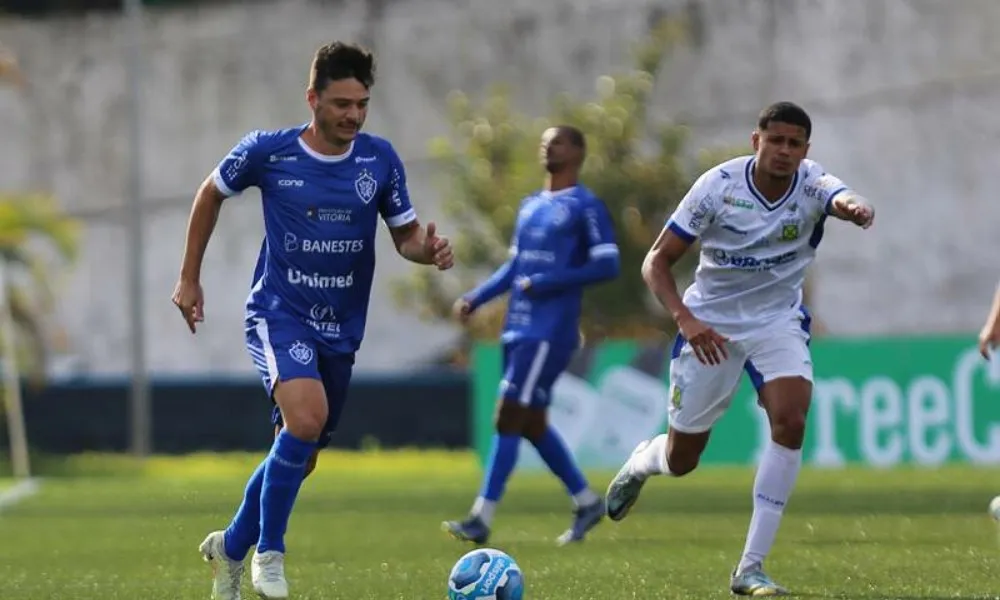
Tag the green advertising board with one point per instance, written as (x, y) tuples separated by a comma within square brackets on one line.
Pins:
[(878, 402)]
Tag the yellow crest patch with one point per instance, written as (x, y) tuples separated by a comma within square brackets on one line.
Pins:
[(675, 397)]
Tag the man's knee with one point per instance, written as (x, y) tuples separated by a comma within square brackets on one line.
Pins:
[(786, 401), (535, 424), (788, 427), (790, 422), (303, 405), (684, 451), (510, 418)]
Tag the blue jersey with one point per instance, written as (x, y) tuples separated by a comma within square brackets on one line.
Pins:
[(317, 260), (562, 242)]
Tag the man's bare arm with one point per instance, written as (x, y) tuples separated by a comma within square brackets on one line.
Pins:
[(201, 223), (658, 275), (409, 241), (995, 311), (989, 337), (708, 346), (849, 206), (422, 245)]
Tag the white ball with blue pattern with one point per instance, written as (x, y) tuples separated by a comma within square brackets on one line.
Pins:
[(485, 574)]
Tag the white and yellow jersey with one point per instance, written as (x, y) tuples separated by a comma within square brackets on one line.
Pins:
[(754, 253)]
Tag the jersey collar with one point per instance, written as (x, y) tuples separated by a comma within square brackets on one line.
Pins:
[(748, 172), (326, 158), (546, 194)]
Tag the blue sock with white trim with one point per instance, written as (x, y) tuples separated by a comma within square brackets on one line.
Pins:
[(503, 458), (244, 530), (552, 448), (283, 474)]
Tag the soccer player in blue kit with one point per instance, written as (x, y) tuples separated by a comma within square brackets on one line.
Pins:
[(563, 241), (323, 186)]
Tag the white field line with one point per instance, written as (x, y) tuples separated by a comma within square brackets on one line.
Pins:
[(18, 492)]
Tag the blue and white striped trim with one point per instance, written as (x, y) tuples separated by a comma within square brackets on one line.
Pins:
[(401, 219), (263, 355), (222, 185), (603, 251)]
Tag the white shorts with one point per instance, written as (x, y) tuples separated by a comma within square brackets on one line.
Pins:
[(700, 393)]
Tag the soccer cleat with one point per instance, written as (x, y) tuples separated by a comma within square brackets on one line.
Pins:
[(753, 582), (267, 570), (472, 529), (227, 572), (623, 491), (587, 517)]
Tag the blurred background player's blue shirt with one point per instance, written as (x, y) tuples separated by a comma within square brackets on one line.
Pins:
[(321, 213), (562, 242)]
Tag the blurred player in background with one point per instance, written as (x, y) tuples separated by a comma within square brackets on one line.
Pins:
[(563, 241), (989, 337), (760, 219), (324, 186)]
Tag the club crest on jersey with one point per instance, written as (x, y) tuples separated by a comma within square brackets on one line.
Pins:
[(366, 186), (301, 353), (789, 232)]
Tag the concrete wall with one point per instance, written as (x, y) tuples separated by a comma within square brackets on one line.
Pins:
[(903, 94)]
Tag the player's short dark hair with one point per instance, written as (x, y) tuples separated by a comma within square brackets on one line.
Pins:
[(785, 112), (338, 60), (574, 135)]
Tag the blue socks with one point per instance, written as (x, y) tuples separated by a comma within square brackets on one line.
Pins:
[(551, 448), (501, 465), (244, 530), (553, 451), (284, 470), (556, 455)]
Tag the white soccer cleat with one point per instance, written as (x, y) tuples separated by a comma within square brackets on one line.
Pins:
[(623, 491), (227, 572), (267, 570), (753, 582)]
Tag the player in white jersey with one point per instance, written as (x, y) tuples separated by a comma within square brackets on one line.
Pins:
[(989, 337), (760, 219)]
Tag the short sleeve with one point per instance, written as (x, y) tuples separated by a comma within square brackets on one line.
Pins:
[(696, 210), (240, 168), (394, 202), (824, 189), (599, 230)]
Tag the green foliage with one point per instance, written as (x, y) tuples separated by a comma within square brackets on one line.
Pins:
[(639, 167), (34, 234), (28, 222)]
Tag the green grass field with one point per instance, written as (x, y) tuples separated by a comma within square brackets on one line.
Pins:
[(368, 527)]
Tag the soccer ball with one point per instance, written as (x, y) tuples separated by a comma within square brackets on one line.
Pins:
[(485, 574), (995, 508)]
